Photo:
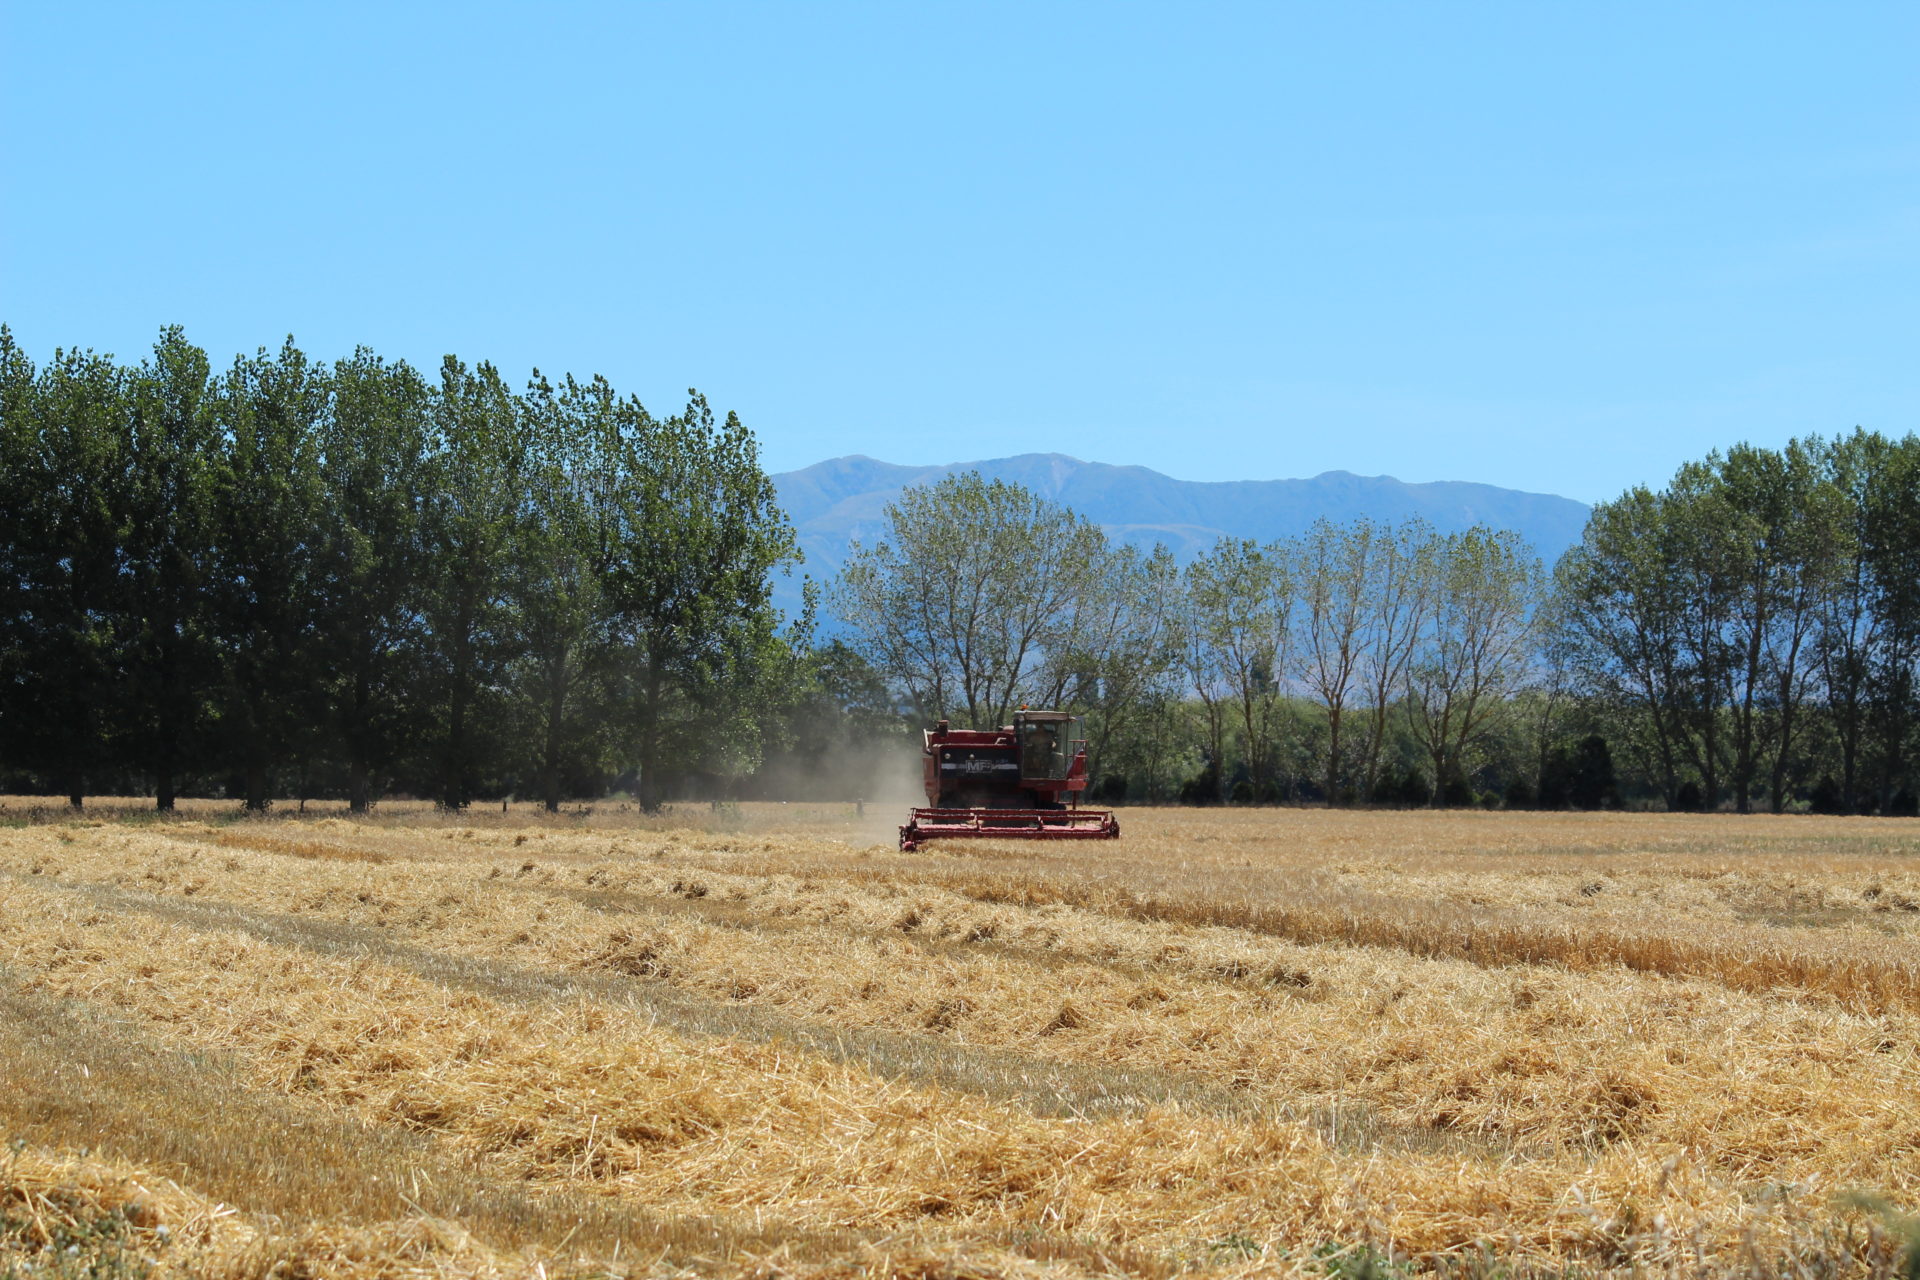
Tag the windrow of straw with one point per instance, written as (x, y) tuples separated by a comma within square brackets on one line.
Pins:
[(67, 1215), (1862, 973)]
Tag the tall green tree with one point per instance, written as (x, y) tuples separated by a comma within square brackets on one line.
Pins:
[(1891, 548), (476, 508), (372, 570), (1204, 665), (580, 438), (1333, 574), (1787, 525), (19, 464), (1399, 579), (1850, 624), (1761, 602), (972, 585), (700, 535), (1476, 649), (1112, 659), (263, 594), (1241, 611), (166, 541), (1620, 602), (62, 435)]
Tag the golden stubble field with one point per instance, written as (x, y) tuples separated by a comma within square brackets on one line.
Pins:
[(765, 1042)]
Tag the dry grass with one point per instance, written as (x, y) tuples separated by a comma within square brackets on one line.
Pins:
[(1232, 1042)]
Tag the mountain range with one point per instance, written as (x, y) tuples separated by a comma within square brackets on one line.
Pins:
[(832, 503)]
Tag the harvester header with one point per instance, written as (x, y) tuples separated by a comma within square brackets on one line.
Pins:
[(1019, 782)]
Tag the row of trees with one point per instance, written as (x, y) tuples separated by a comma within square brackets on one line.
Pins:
[(1748, 635), (981, 596), (350, 577), (1757, 623)]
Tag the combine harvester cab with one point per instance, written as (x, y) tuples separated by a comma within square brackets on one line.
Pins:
[(1021, 782)]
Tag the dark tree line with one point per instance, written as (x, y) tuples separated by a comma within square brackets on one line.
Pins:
[(349, 579)]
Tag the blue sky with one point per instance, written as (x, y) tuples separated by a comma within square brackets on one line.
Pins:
[(1561, 248)]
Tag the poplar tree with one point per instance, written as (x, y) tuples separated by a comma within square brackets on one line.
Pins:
[(1762, 595), (1891, 548), (475, 510), (1477, 647), (1788, 522), (1622, 607), (1240, 607), (970, 587), (579, 438), (1333, 572), (263, 593), (698, 537), (62, 436), (1119, 646), (370, 630), (1399, 575), (166, 530)]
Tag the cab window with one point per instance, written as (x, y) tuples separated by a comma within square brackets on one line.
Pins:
[(1045, 747)]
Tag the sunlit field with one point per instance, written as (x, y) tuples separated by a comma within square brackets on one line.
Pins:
[(763, 1041)]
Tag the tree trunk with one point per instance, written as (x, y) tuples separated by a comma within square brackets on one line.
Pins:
[(1746, 764), (1376, 745), (1546, 734), (452, 783), (357, 788), (556, 719), (1217, 749), (168, 739), (1709, 761), (649, 743), (453, 780), (649, 771), (1777, 791), (256, 787), (1849, 772), (1333, 758)]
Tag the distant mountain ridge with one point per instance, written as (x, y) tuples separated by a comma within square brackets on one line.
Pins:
[(832, 503)]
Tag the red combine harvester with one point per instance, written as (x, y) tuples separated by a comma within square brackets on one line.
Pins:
[(1022, 782)]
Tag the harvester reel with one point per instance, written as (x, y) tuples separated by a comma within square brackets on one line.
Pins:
[(1007, 824)]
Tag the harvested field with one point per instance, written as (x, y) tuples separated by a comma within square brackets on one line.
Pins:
[(764, 1041)]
